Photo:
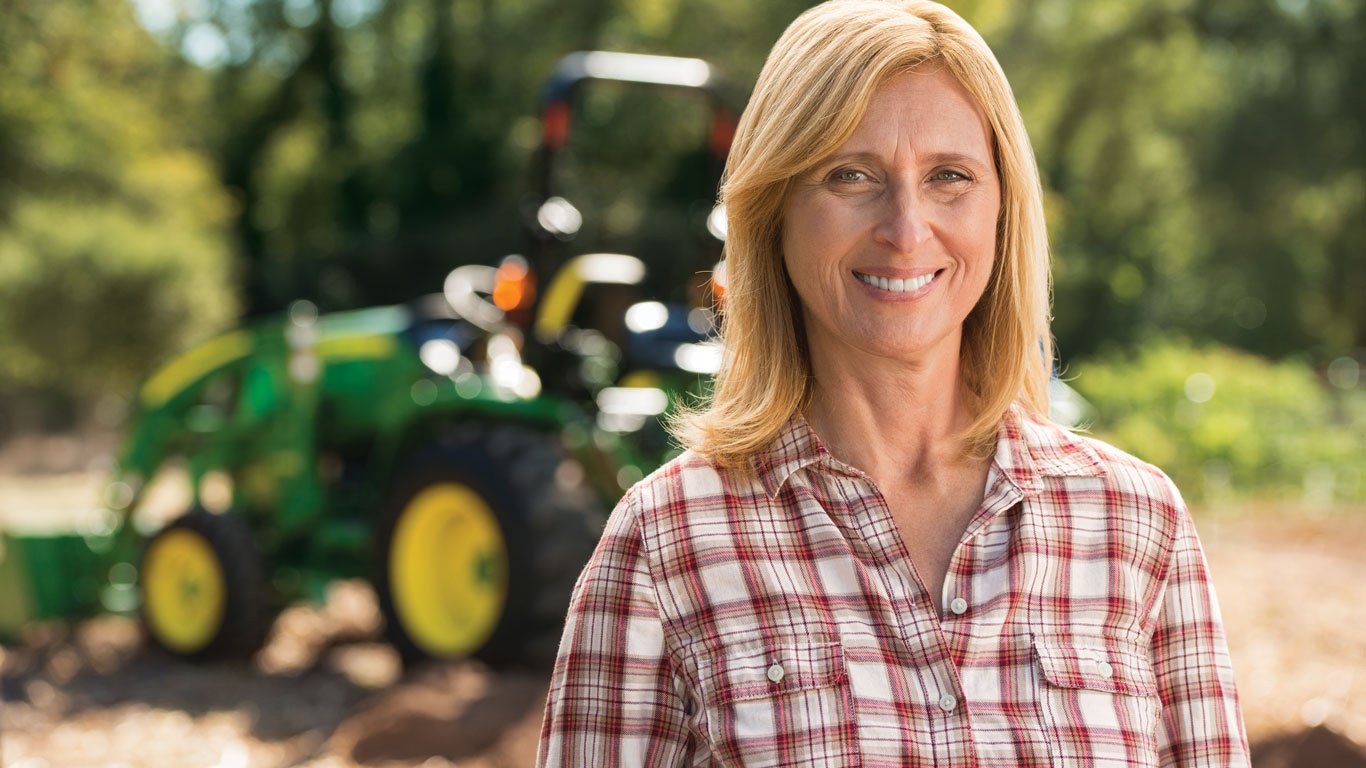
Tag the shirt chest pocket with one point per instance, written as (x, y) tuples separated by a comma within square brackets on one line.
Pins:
[(1099, 701), (779, 705)]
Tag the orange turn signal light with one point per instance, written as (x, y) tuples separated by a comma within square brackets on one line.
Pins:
[(514, 287), (718, 283)]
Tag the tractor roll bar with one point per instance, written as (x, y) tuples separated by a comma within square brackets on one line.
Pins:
[(576, 68)]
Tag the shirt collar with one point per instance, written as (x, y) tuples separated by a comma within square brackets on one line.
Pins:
[(1026, 450), (795, 447)]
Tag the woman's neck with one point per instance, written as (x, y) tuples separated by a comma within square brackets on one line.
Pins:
[(885, 416)]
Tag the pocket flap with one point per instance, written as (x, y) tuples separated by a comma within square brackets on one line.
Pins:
[(1097, 664), (760, 672)]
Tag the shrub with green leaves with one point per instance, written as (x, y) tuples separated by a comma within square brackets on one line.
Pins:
[(1227, 425), (115, 239)]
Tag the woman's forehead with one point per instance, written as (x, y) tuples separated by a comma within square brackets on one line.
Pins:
[(926, 112)]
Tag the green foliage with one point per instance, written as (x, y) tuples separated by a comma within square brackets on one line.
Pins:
[(375, 145), (112, 226), (94, 295), (1204, 162), (1225, 424), (1202, 159)]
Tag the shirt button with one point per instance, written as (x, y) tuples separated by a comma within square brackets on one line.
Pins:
[(959, 606), (947, 702), (775, 673), (1106, 671)]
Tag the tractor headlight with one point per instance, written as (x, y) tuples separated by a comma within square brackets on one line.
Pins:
[(440, 355)]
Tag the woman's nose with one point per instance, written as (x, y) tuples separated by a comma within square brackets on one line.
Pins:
[(903, 223)]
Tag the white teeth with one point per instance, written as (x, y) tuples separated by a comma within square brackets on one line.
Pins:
[(896, 285)]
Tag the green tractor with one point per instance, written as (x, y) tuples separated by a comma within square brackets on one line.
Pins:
[(460, 452)]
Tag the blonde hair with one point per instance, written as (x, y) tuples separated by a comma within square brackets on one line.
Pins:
[(811, 94)]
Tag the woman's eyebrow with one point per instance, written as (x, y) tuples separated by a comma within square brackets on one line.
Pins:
[(971, 158), (933, 158), (845, 156)]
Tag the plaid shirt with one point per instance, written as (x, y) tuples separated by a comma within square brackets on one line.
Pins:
[(777, 620)]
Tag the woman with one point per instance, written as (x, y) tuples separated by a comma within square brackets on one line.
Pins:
[(877, 550)]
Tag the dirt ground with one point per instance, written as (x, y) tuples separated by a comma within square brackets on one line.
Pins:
[(326, 693)]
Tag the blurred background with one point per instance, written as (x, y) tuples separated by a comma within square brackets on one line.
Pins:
[(169, 168)]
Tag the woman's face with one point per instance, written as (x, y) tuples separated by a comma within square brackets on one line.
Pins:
[(890, 240)]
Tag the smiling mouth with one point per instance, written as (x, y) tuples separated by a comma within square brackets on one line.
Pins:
[(897, 285)]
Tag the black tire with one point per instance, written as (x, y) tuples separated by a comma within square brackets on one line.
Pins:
[(186, 609), (548, 521)]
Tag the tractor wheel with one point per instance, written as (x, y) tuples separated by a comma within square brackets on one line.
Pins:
[(203, 588), (480, 546)]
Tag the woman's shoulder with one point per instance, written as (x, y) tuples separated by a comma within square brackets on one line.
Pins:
[(1064, 452), (1081, 483), (689, 480)]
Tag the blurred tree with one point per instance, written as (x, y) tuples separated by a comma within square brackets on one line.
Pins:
[(1203, 159), (112, 224), (376, 144), (1204, 164), (1286, 174)]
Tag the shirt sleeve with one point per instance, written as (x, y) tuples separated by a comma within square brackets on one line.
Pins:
[(614, 698), (1202, 723)]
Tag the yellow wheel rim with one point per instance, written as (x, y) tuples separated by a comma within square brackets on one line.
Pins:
[(448, 570), (184, 590)]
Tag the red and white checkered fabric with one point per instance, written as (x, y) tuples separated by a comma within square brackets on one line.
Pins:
[(776, 620)]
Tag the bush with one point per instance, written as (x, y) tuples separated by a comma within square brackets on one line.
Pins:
[(92, 296), (1227, 425), (115, 228)]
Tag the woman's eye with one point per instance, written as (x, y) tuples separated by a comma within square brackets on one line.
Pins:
[(948, 176), (850, 176)]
